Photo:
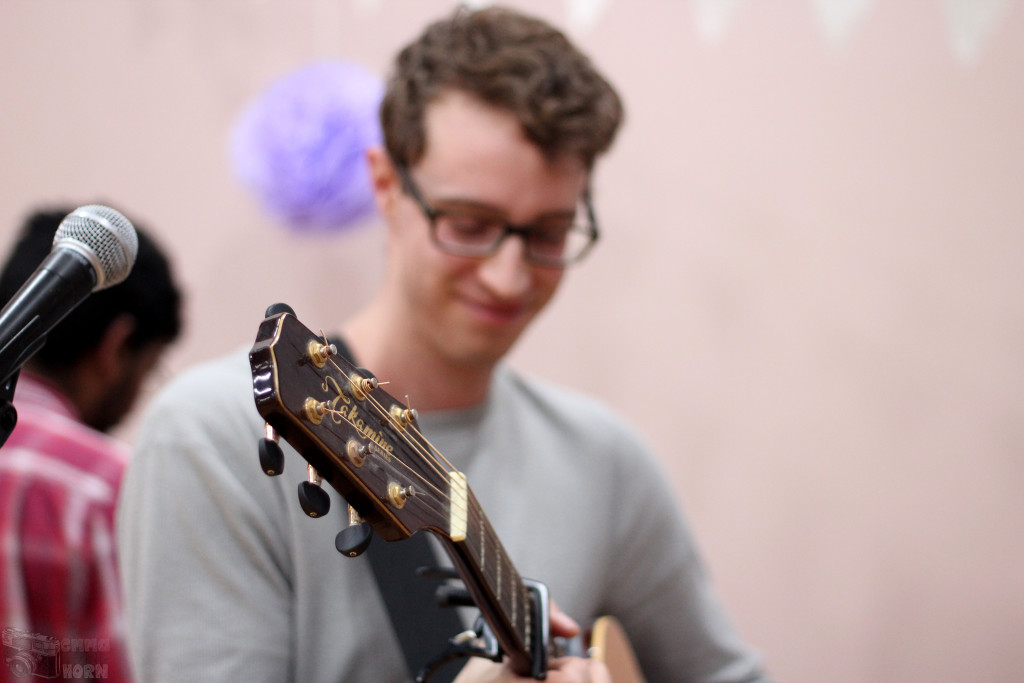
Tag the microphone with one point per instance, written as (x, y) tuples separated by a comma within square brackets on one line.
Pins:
[(94, 248)]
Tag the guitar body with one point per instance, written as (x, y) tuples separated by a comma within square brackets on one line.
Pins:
[(609, 644)]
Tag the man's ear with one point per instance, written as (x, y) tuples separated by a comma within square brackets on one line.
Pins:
[(110, 353), (384, 179)]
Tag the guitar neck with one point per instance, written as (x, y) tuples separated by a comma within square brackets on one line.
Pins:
[(496, 586)]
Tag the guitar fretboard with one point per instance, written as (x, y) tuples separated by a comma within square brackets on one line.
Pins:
[(502, 583)]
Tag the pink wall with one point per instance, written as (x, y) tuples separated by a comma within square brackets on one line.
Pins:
[(809, 295)]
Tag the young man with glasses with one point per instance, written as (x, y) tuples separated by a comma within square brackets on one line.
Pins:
[(492, 122)]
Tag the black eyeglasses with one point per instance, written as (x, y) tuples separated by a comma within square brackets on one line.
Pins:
[(555, 244)]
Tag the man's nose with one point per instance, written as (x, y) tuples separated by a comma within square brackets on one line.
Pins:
[(506, 272)]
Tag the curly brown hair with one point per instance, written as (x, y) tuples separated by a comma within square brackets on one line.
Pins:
[(509, 60)]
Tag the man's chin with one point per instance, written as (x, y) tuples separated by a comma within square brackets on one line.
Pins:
[(487, 350)]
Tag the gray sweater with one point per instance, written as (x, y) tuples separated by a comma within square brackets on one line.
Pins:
[(227, 580)]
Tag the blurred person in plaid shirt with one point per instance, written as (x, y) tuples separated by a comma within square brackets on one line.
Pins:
[(60, 471)]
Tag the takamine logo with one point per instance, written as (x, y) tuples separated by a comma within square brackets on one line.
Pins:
[(33, 654), (343, 411)]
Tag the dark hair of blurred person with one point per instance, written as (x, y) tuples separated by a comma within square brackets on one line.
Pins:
[(102, 350)]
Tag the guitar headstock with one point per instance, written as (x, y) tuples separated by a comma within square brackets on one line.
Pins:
[(352, 433), (368, 446)]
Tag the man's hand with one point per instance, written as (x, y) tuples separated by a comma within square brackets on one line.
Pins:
[(561, 670)]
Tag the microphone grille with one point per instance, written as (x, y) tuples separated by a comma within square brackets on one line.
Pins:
[(105, 237)]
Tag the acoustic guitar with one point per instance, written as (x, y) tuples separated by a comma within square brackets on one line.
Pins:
[(367, 446)]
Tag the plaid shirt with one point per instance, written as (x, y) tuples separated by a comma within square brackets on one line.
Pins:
[(60, 607)]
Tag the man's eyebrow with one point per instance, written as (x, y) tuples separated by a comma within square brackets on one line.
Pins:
[(448, 205), (458, 203)]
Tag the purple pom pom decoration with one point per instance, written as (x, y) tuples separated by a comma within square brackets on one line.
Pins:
[(300, 147)]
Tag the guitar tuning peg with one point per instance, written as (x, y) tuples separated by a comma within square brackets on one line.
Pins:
[(312, 498), (319, 352), (274, 309), (360, 385), (403, 416), (271, 455), (353, 539)]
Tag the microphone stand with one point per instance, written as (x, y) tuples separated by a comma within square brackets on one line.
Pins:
[(8, 415)]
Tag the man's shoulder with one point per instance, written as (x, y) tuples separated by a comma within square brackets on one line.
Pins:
[(210, 390), (547, 392), (51, 455), (568, 428), (557, 403), (49, 436), (210, 379)]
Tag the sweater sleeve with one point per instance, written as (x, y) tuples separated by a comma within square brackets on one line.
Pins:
[(604, 530), (673, 617), (190, 507)]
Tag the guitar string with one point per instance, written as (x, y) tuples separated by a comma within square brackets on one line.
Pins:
[(386, 416), (412, 473), (472, 502), (389, 419), (431, 458), (517, 590), (514, 580), (421, 446), (430, 454)]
